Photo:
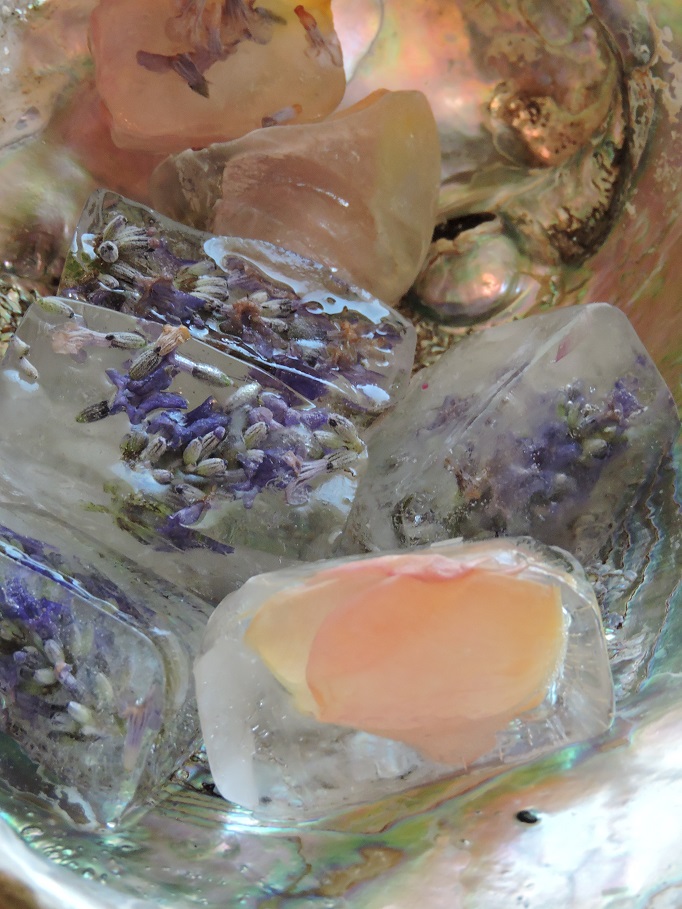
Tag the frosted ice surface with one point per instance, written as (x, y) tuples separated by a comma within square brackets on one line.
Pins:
[(269, 752), (551, 426), (189, 461), (95, 668)]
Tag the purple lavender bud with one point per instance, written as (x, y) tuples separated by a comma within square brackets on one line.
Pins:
[(260, 415), (273, 470), (119, 379), (314, 419), (120, 402), (251, 461), (275, 404), (168, 419), (292, 418), (157, 380), (192, 514), (171, 302), (181, 537), (208, 424), (205, 409), (624, 399), (293, 373)]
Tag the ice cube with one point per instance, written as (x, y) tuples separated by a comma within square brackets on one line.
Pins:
[(342, 682), (175, 75), (192, 463), (551, 426), (95, 668), (357, 191), (335, 344)]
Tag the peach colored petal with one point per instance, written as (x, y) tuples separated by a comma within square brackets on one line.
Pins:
[(283, 629), (431, 661)]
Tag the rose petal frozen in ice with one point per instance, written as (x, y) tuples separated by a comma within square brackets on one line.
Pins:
[(336, 683), (284, 629), (423, 658)]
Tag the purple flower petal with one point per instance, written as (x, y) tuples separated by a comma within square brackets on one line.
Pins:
[(140, 719), (158, 400)]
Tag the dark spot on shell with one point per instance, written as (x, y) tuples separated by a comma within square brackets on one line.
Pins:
[(527, 817), (452, 228)]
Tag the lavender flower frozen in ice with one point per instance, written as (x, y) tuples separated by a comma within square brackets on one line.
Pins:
[(534, 427), (232, 447), (94, 668), (560, 463), (53, 665), (333, 344)]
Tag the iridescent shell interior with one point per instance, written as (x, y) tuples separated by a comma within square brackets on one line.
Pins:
[(561, 133)]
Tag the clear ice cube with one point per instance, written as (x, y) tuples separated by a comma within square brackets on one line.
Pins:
[(190, 462), (95, 669), (551, 426), (261, 692), (333, 343)]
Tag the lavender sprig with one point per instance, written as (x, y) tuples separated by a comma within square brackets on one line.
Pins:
[(46, 665), (233, 449), (317, 349), (539, 478)]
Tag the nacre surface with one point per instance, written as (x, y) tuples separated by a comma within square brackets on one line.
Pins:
[(609, 815)]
